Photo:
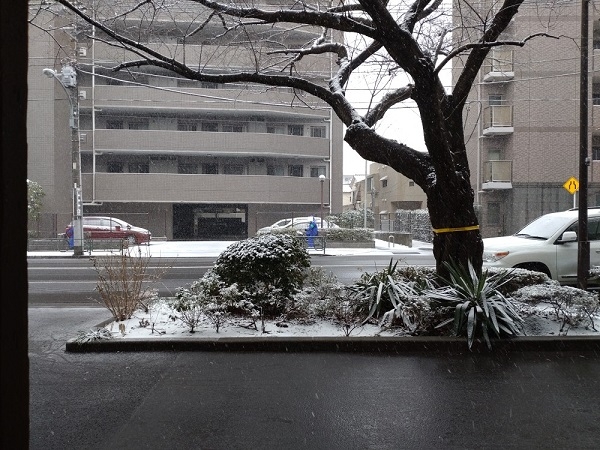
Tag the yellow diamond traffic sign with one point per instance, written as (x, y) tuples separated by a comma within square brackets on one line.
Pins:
[(572, 185)]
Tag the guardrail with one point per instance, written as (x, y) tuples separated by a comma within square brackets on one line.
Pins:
[(91, 245), (318, 242)]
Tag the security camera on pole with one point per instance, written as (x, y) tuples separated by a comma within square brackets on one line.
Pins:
[(67, 78)]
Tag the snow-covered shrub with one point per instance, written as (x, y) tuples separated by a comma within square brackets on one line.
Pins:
[(348, 234), (572, 307), (100, 334), (318, 296), (271, 268), (377, 293), (417, 316), (420, 276), (215, 311), (187, 304), (353, 218), (519, 278), (209, 298), (290, 231), (344, 313)]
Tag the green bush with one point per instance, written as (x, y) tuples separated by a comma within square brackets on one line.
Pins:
[(270, 267)]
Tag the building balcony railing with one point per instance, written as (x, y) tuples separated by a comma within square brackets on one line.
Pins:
[(157, 142), (498, 120), (185, 99), (499, 65), (174, 188), (233, 57), (497, 175)]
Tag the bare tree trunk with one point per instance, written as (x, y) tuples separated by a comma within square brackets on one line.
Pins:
[(449, 193), (456, 238)]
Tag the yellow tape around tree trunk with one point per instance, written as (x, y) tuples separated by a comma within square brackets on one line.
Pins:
[(453, 230)]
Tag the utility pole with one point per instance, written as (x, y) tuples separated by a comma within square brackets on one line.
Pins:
[(68, 80), (583, 250), (322, 180)]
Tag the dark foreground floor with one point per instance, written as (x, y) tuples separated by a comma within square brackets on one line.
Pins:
[(193, 400)]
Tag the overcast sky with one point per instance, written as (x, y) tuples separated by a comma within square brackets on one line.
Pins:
[(401, 123)]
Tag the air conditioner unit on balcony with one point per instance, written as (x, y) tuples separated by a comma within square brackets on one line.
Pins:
[(83, 51), (82, 95)]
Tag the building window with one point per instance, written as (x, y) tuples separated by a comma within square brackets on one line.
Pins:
[(275, 171), (494, 155), (139, 168), (186, 125), (493, 213), (210, 126), (275, 129), (317, 132), (496, 99), (114, 167), (296, 130), (209, 85), (295, 170), (234, 128), (369, 184), (596, 98), (315, 172), (596, 153), (114, 124), (233, 169), (139, 125), (187, 168), (384, 183), (411, 183), (210, 168)]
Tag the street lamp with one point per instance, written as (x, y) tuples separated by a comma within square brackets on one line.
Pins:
[(67, 78), (322, 180)]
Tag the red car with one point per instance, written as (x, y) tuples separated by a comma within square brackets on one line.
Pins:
[(96, 227)]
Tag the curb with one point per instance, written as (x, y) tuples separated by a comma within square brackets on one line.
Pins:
[(340, 344)]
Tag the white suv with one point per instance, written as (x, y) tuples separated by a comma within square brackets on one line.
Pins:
[(548, 245)]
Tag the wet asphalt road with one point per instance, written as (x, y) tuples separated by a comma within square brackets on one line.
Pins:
[(290, 400)]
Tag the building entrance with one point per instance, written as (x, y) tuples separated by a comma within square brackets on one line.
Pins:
[(210, 222)]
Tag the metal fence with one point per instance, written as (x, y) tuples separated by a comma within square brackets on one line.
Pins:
[(52, 225), (415, 222)]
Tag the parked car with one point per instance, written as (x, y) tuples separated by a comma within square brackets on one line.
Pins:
[(297, 223), (548, 245), (97, 227)]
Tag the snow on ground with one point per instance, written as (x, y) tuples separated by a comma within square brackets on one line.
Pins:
[(158, 323), (190, 249)]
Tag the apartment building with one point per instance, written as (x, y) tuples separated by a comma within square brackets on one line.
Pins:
[(522, 118), (185, 159), (387, 192)]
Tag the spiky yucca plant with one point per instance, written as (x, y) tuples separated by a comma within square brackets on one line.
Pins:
[(479, 305)]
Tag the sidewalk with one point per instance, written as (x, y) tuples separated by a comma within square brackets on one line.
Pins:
[(191, 249)]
